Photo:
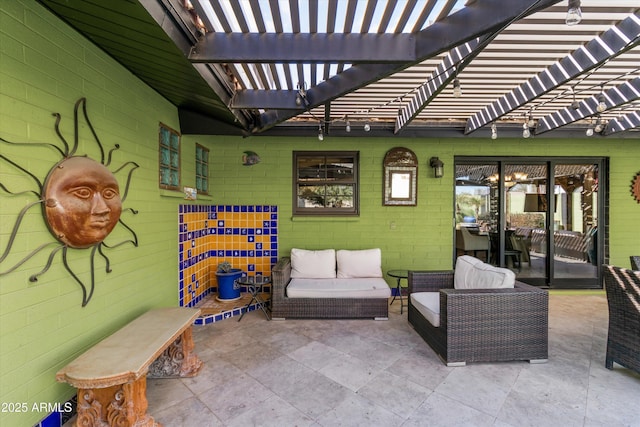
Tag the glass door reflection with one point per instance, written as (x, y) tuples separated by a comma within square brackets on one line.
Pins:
[(526, 221), (575, 225)]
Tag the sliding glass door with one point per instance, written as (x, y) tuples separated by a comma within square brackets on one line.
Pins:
[(541, 216)]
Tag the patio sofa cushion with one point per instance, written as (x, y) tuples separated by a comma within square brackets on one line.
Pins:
[(471, 273), (307, 264), (428, 304), (370, 287), (359, 263)]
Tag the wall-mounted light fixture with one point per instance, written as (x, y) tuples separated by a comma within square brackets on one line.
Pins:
[(438, 167)]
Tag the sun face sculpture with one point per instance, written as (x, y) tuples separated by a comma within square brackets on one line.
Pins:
[(81, 204), (635, 187)]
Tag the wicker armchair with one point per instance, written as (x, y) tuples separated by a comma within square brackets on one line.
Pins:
[(623, 297), (635, 262), (482, 325)]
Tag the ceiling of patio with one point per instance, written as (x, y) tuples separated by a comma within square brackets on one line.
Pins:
[(295, 67)]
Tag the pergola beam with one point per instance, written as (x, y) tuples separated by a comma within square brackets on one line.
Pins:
[(443, 74), (622, 94), (611, 43), (474, 20), (620, 124), (306, 48)]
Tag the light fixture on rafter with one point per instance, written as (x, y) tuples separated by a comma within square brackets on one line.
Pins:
[(589, 131), (301, 96), (602, 102), (574, 14), (600, 124), (575, 105), (367, 127), (457, 90), (348, 124), (526, 133), (320, 133)]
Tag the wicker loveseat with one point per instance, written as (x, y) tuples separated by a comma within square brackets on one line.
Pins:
[(481, 325), (330, 302)]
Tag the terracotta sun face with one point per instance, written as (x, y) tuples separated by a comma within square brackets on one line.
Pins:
[(82, 202), (635, 187)]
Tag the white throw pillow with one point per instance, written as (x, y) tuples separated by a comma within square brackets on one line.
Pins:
[(471, 273), (307, 264), (360, 263)]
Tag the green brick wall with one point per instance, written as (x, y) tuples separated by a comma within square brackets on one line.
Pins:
[(423, 235), (45, 67)]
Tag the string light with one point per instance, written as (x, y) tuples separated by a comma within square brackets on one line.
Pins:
[(457, 91), (602, 104), (574, 14)]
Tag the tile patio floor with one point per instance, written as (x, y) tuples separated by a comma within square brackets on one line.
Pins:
[(381, 373)]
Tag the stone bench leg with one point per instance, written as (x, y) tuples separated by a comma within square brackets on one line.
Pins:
[(178, 360), (122, 405)]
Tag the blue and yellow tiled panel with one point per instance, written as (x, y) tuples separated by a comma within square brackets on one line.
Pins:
[(244, 235)]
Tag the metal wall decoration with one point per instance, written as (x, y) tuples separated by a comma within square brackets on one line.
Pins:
[(635, 187), (81, 202), (400, 177)]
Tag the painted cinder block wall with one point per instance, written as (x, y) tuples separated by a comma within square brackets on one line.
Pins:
[(410, 237), (45, 67)]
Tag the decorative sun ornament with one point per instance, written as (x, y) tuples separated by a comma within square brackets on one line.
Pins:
[(635, 187), (81, 203)]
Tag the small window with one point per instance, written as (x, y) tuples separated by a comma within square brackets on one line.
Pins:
[(202, 169), (169, 158), (325, 183)]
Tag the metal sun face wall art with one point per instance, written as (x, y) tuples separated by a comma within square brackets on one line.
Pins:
[(81, 203)]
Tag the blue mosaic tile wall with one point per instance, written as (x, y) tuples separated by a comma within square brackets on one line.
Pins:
[(244, 235)]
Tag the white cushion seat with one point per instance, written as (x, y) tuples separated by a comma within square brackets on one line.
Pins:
[(428, 304), (363, 287), (471, 273)]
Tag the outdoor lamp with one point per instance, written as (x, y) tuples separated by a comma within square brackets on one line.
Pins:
[(438, 167)]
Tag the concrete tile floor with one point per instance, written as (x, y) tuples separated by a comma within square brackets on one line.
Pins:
[(381, 373)]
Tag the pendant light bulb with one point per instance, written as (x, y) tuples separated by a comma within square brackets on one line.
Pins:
[(526, 133), (457, 90), (589, 132), (367, 128), (602, 104), (574, 14), (348, 125), (320, 134)]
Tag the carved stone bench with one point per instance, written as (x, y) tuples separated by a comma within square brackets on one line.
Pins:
[(111, 377)]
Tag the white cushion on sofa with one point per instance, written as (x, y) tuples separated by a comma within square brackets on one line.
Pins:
[(372, 287), (471, 273), (313, 264), (359, 263), (428, 304)]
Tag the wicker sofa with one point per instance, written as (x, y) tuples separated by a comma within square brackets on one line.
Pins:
[(481, 325), (331, 303)]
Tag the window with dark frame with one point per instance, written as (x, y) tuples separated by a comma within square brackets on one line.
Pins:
[(169, 148), (202, 169), (326, 183)]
